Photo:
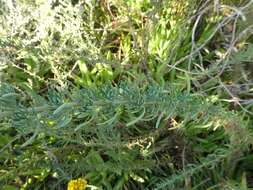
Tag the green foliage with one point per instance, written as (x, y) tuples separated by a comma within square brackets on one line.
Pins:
[(128, 94), (107, 133)]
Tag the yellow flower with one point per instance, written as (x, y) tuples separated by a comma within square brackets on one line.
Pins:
[(77, 184)]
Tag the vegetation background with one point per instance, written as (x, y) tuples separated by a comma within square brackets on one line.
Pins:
[(126, 94)]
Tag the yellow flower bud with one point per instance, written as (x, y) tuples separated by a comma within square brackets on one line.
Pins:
[(77, 184)]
